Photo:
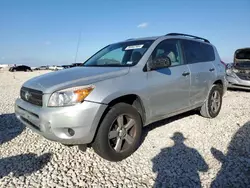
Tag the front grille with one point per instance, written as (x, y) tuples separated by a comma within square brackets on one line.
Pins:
[(32, 96), (31, 113), (243, 76), (30, 123)]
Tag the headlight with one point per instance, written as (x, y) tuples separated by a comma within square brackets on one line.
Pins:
[(235, 70), (68, 97), (229, 71)]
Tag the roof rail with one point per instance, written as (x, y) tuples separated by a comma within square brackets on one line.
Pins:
[(130, 39), (187, 35)]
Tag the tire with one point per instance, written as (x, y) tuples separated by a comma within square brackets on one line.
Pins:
[(107, 144), (208, 109)]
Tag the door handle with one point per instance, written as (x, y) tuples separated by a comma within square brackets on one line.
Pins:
[(185, 73), (211, 69)]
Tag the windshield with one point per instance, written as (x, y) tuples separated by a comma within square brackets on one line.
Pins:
[(120, 54)]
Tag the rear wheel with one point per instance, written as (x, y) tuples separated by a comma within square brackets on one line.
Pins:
[(119, 133), (211, 108)]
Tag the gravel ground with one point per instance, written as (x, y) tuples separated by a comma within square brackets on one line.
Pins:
[(188, 151)]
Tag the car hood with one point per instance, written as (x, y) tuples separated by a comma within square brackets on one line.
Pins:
[(72, 77), (242, 58)]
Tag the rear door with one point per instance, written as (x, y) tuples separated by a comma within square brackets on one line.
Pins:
[(168, 88), (199, 57)]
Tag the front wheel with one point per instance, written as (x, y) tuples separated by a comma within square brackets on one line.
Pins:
[(211, 108), (119, 133)]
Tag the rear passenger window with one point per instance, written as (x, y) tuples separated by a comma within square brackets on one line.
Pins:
[(197, 52)]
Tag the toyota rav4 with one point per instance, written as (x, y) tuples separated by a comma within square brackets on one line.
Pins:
[(106, 102)]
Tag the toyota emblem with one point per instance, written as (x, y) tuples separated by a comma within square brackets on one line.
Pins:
[(27, 95)]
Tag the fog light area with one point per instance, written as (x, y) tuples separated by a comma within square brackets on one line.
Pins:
[(71, 132)]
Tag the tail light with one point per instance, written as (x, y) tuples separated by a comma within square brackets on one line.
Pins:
[(223, 63)]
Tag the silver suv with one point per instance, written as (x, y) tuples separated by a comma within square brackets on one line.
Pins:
[(122, 88)]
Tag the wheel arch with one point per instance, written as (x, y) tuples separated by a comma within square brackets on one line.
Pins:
[(218, 82), (131, 99)]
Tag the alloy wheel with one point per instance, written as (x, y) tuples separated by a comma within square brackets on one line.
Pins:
[(215, 101), (122, 133)]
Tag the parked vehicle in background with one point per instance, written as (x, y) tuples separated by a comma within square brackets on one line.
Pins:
[(33, 68), (42, 68), (76, 64), (125, 86), (55, 67), (59, 68), (20, 68), (72, 65), (238, 73), (66, 66)]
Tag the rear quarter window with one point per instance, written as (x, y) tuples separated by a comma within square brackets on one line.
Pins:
[(196, 52)]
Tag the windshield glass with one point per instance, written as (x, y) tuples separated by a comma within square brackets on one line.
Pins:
[(120, 54)]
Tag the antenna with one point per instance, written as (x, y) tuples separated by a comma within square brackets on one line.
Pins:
[(78, 43)]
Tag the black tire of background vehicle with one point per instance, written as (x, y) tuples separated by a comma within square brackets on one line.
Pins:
[(101, 143), (205, 110)]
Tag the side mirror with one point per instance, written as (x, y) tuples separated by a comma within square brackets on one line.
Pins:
[(159, 63)]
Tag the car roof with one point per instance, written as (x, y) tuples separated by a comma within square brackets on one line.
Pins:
[(172, 35)]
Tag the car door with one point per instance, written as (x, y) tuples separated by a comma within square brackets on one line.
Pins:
[(199, 57), (19, 68), (25, 68), (168, 88)]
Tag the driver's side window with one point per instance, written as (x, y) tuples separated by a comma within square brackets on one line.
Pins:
[(169, 48)]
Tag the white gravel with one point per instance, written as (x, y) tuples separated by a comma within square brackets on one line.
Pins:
[(215, 153)]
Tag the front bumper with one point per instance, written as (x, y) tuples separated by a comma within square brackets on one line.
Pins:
[(54, 123), (235, 82)]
